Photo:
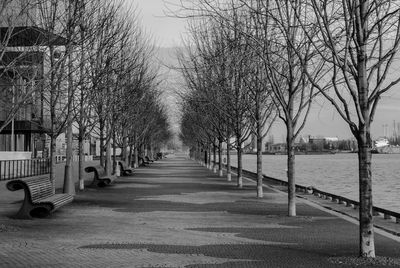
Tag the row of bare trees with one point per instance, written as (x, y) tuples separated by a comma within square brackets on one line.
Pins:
[(98, 78), (248, 60)]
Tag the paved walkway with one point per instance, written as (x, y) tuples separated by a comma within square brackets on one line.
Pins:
[(175, 213)]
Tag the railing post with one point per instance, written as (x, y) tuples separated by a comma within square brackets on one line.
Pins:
[(9, 169)]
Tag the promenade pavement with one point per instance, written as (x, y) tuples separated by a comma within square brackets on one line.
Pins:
[(176, 213)]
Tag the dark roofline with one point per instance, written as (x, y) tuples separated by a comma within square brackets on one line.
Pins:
[(26, 36)]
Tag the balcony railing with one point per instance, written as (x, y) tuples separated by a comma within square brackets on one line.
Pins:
[(14, 169)]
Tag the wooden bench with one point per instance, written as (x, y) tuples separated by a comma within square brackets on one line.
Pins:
[(148, 159), (143, 162), (125, 171), (159, 156), (39, 199), (100, 178)]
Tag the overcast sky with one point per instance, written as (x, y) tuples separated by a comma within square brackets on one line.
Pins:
[(166, 30), (323, 120)]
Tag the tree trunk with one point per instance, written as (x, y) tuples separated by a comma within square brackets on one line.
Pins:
[(136, 156), (259, 135), (260, 177), (220, 172), (151, 150), (198, 154), (239, 166), (214, 158), (125, 148), (115, 168), (53, 162), (367, 246), (108, 167), (209, 158), (52, 148), (101, 143), (69, 185), (80, 165), (108, 161), (129, 164), (228, 162), (291, 171), (82, 128)]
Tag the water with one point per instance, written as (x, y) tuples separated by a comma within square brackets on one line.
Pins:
[(337, 174)]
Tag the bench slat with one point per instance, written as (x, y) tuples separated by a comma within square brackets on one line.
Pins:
[(57, 200)]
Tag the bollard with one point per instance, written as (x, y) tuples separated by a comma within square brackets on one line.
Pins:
[(386, 216)]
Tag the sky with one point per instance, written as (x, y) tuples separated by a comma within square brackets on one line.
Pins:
[(323, 120), (157, 20)]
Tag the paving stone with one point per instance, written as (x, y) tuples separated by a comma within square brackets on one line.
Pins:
[(175, 213)]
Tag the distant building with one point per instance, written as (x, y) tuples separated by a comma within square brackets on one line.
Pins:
[(314, 144), (278, 148), (250, 145), (22, 70), (381, 142), (322, 143)]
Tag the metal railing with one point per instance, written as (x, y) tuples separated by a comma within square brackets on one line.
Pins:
[(377, 211), (14, 169)]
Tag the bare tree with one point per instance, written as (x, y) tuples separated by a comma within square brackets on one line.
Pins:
[(104, 45), (73, 10), (57, 18), (358, 42), (277, 40), (280, 42), (206, 80), (262, 111)]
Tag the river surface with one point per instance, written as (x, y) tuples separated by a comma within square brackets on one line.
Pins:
[(337, 174)]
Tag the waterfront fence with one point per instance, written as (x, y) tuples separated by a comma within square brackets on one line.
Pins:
[(75, 158), (14, 169), (377, 211)]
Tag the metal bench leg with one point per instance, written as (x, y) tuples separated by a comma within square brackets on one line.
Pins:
[(24, 211)]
